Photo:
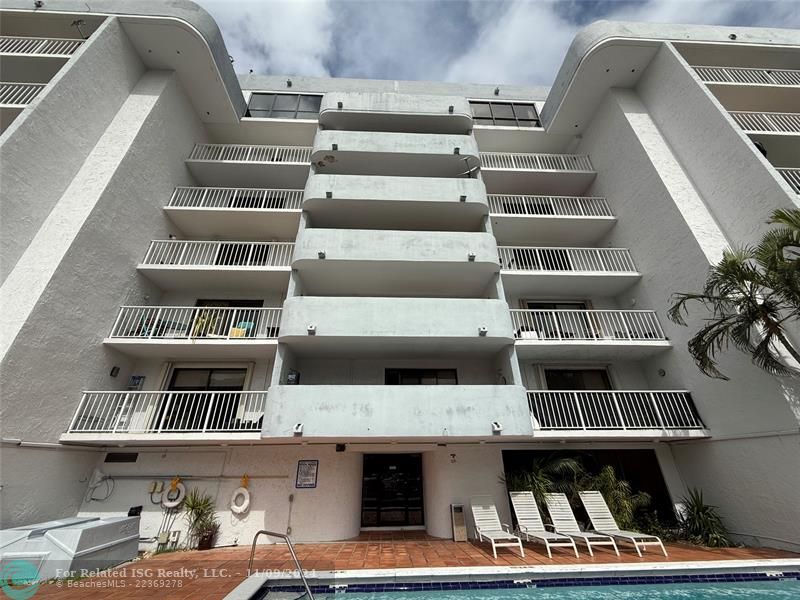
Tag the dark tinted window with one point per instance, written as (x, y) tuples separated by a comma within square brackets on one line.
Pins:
[(284, 106), (506, 114)]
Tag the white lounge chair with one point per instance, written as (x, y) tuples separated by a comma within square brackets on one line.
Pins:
[(489, 527), (564, 521), (531, 528), (603, 522)]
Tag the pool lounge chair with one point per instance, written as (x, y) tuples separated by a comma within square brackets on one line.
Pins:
[(565, 523), (603, 522), (531, 528), (489, 528)]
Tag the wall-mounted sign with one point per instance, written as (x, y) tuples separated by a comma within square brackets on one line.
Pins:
[(307, 471)]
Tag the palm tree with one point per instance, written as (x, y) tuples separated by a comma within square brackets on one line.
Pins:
[(546, 474), (752, 294)]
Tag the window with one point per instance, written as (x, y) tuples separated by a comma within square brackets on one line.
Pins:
[(421, 377), (505, 114), (284, 106), (577, 379)]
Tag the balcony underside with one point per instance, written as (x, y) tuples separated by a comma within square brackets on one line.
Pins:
[(566, 283), (574, 231), (783, 149), (410, 122), (589, 350), (395, 346), (171, 277), (438, 279), (411, 215), (399, 164), (160, 439), (386, 413), (607, 435), (562, 183), (240, 223), (199, 349), (245, 174)]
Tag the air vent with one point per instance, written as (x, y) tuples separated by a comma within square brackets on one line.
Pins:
[(121, 457)]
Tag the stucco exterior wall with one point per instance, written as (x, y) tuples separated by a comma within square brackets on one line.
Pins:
[(46, 145), (662, 221)]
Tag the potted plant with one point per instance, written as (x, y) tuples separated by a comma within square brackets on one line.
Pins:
[(201, 519)]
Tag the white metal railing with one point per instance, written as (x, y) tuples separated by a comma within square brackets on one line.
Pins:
[(595, 325), (168, 412), (201, 322), (592, 410), (19, 94), (222, 197), (535, 162), (792, 177), (251, 153), (767, 121), (515, 258), (218, 253), (12, 44), (748, 75), (568, 206)]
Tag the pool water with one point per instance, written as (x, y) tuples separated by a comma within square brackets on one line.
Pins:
[(754, 590)]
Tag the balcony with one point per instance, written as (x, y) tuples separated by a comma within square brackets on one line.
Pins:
[(200, 333), (792, 177), (164, 417), (394, 326), (566, 271), (549, 219), (242, 213), (587, 334), (767, 122), (410, 113), (391, 412), (233, 165), (748, 76), (520, 173), (613, 415), (18, 95), (359, 262), (34, 59), (12, 45), (218, 265), (398, 154), (411, 203)]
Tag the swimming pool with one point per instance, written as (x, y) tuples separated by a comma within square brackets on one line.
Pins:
[(730, 586)]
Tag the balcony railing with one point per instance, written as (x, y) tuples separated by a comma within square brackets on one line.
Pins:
[(767, 121), (11, 44), (565, 206), (622, 410), (19, 94), (182, 322), (169, 412), (748, 75), (792, 177), (535, 162), (587, 325), (235, 198), (605, 260), (221, 254), (251, 153)]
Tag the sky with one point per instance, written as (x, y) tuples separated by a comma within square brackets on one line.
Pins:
[(466, 41)]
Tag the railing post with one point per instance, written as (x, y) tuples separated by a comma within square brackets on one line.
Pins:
[(576, 399), (619, 411), (114, 332), (167, 405), (156, 321), (211, 403), (657, 412), (182, 252), (78, 411), (232, 323), (121, 410)]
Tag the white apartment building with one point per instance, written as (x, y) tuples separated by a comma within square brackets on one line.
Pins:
[(373, 297)]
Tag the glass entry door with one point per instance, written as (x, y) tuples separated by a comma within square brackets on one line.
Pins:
[(391, 494)]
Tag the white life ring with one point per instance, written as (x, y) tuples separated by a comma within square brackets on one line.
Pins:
[(168, 502), (245, 505)]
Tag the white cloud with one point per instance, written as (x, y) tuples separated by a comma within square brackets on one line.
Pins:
[(502, 41), (276, 36)]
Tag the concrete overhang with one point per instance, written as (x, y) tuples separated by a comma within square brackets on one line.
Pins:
[(610, 54), (177, 35)]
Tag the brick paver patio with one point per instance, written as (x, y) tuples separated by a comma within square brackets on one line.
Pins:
[(210, 575)]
